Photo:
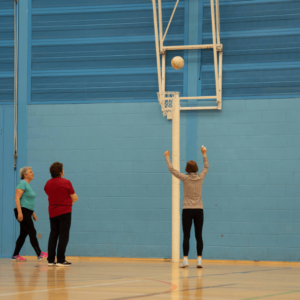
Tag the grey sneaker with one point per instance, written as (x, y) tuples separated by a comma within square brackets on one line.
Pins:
[(184, 264), (199, 263)]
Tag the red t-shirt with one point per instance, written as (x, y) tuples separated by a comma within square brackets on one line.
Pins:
[(59, 190)]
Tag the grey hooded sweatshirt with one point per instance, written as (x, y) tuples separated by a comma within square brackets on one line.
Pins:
[(192, 185)]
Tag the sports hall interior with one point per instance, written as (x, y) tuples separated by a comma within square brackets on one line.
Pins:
[(82, 86)]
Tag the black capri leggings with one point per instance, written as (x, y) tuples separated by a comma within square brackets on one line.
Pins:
[(26, 228), (188, 215)]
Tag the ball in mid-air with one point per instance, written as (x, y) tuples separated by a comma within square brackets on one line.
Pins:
[(177, 62)]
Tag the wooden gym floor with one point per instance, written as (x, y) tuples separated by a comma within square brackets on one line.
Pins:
[(115, 279)]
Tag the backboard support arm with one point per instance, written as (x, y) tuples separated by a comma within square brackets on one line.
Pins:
[(217, 48)]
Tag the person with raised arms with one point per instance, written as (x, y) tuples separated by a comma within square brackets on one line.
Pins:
[(192, 207)]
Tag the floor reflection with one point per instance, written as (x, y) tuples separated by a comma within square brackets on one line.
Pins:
[(188, 283), (25, 284), (56, 283), (199, 288), (29, 285)]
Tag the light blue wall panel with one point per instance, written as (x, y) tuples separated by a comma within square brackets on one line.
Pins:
[(251, 192), (6, 52), (113, 153)]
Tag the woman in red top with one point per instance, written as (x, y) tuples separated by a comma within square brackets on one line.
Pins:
[(61, 197)]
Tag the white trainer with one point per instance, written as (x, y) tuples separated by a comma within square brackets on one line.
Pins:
[(184, 264), (199, 263)]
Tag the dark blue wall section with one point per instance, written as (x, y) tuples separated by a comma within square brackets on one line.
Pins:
[(99, 52), (6, 51), (261, 49)]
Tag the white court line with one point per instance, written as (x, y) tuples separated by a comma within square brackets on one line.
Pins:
[(71, 287)]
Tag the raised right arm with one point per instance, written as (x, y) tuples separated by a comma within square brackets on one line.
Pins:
[(205, 162)]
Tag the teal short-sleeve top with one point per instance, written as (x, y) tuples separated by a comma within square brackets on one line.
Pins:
[(28, 198)]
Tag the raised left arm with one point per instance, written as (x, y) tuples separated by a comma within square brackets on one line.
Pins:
[(176, 173)]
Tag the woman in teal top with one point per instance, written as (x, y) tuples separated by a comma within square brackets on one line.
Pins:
[(24, 212)]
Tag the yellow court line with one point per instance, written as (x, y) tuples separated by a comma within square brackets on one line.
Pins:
[(71, 287), (213, 261)]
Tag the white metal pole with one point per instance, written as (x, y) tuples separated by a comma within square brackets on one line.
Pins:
[(220, 54), (163, 72), (156, 44), (160, 24), (175, 181), (218, 21), (213, 24), (220, 80), (198, 97), (199, 108), (189, 47), (170, 19)]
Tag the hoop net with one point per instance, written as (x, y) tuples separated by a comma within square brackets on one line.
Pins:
[(165, 100)]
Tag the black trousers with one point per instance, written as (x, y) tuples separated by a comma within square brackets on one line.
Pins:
[(188, 215), (60, 229), (26, 228)]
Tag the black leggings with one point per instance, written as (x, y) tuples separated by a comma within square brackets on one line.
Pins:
[(188, 215), (60, 230), (26, 228)]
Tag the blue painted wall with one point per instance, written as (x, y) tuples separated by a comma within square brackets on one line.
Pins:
[(7, 176), (6, 52), (113, 150), (261, 49), (84, 51), (7, 181), (251, 193), (113, 155), (99, 51)]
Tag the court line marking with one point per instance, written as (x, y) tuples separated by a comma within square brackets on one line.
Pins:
[(245, 272), (71, 287), (267, 296), (173, 288), (162, 296), (170, 291)]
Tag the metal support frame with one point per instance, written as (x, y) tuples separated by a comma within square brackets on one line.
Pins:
[(170, 101), (217, 48)]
